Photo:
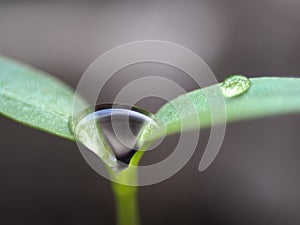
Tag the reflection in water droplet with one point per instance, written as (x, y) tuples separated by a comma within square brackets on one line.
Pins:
[(235, 85), (113, 132)]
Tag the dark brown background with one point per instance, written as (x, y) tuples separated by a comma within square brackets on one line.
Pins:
[(255, 178)]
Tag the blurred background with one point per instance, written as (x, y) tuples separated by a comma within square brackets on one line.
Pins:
[(255, 178)]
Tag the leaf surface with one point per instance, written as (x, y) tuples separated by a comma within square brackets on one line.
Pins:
[(35, 98)]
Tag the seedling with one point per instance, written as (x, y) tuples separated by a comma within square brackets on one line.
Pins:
[(39, 100)]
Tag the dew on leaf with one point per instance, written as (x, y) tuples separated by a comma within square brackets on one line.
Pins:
[(113, 132), (235, 85)]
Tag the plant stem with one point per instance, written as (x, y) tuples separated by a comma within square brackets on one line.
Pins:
[(126, 197), (126, 204)]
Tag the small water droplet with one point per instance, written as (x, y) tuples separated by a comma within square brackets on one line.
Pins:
[(235, 85), (113, 131)]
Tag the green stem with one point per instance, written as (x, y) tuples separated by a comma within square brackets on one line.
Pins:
[(126, 196), (126, 204)]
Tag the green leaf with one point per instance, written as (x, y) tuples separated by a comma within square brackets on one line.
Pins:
[(267, 96), (35, 98)]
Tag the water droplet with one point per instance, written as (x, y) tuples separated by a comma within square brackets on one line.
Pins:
[(113, 132), (235, 85)]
